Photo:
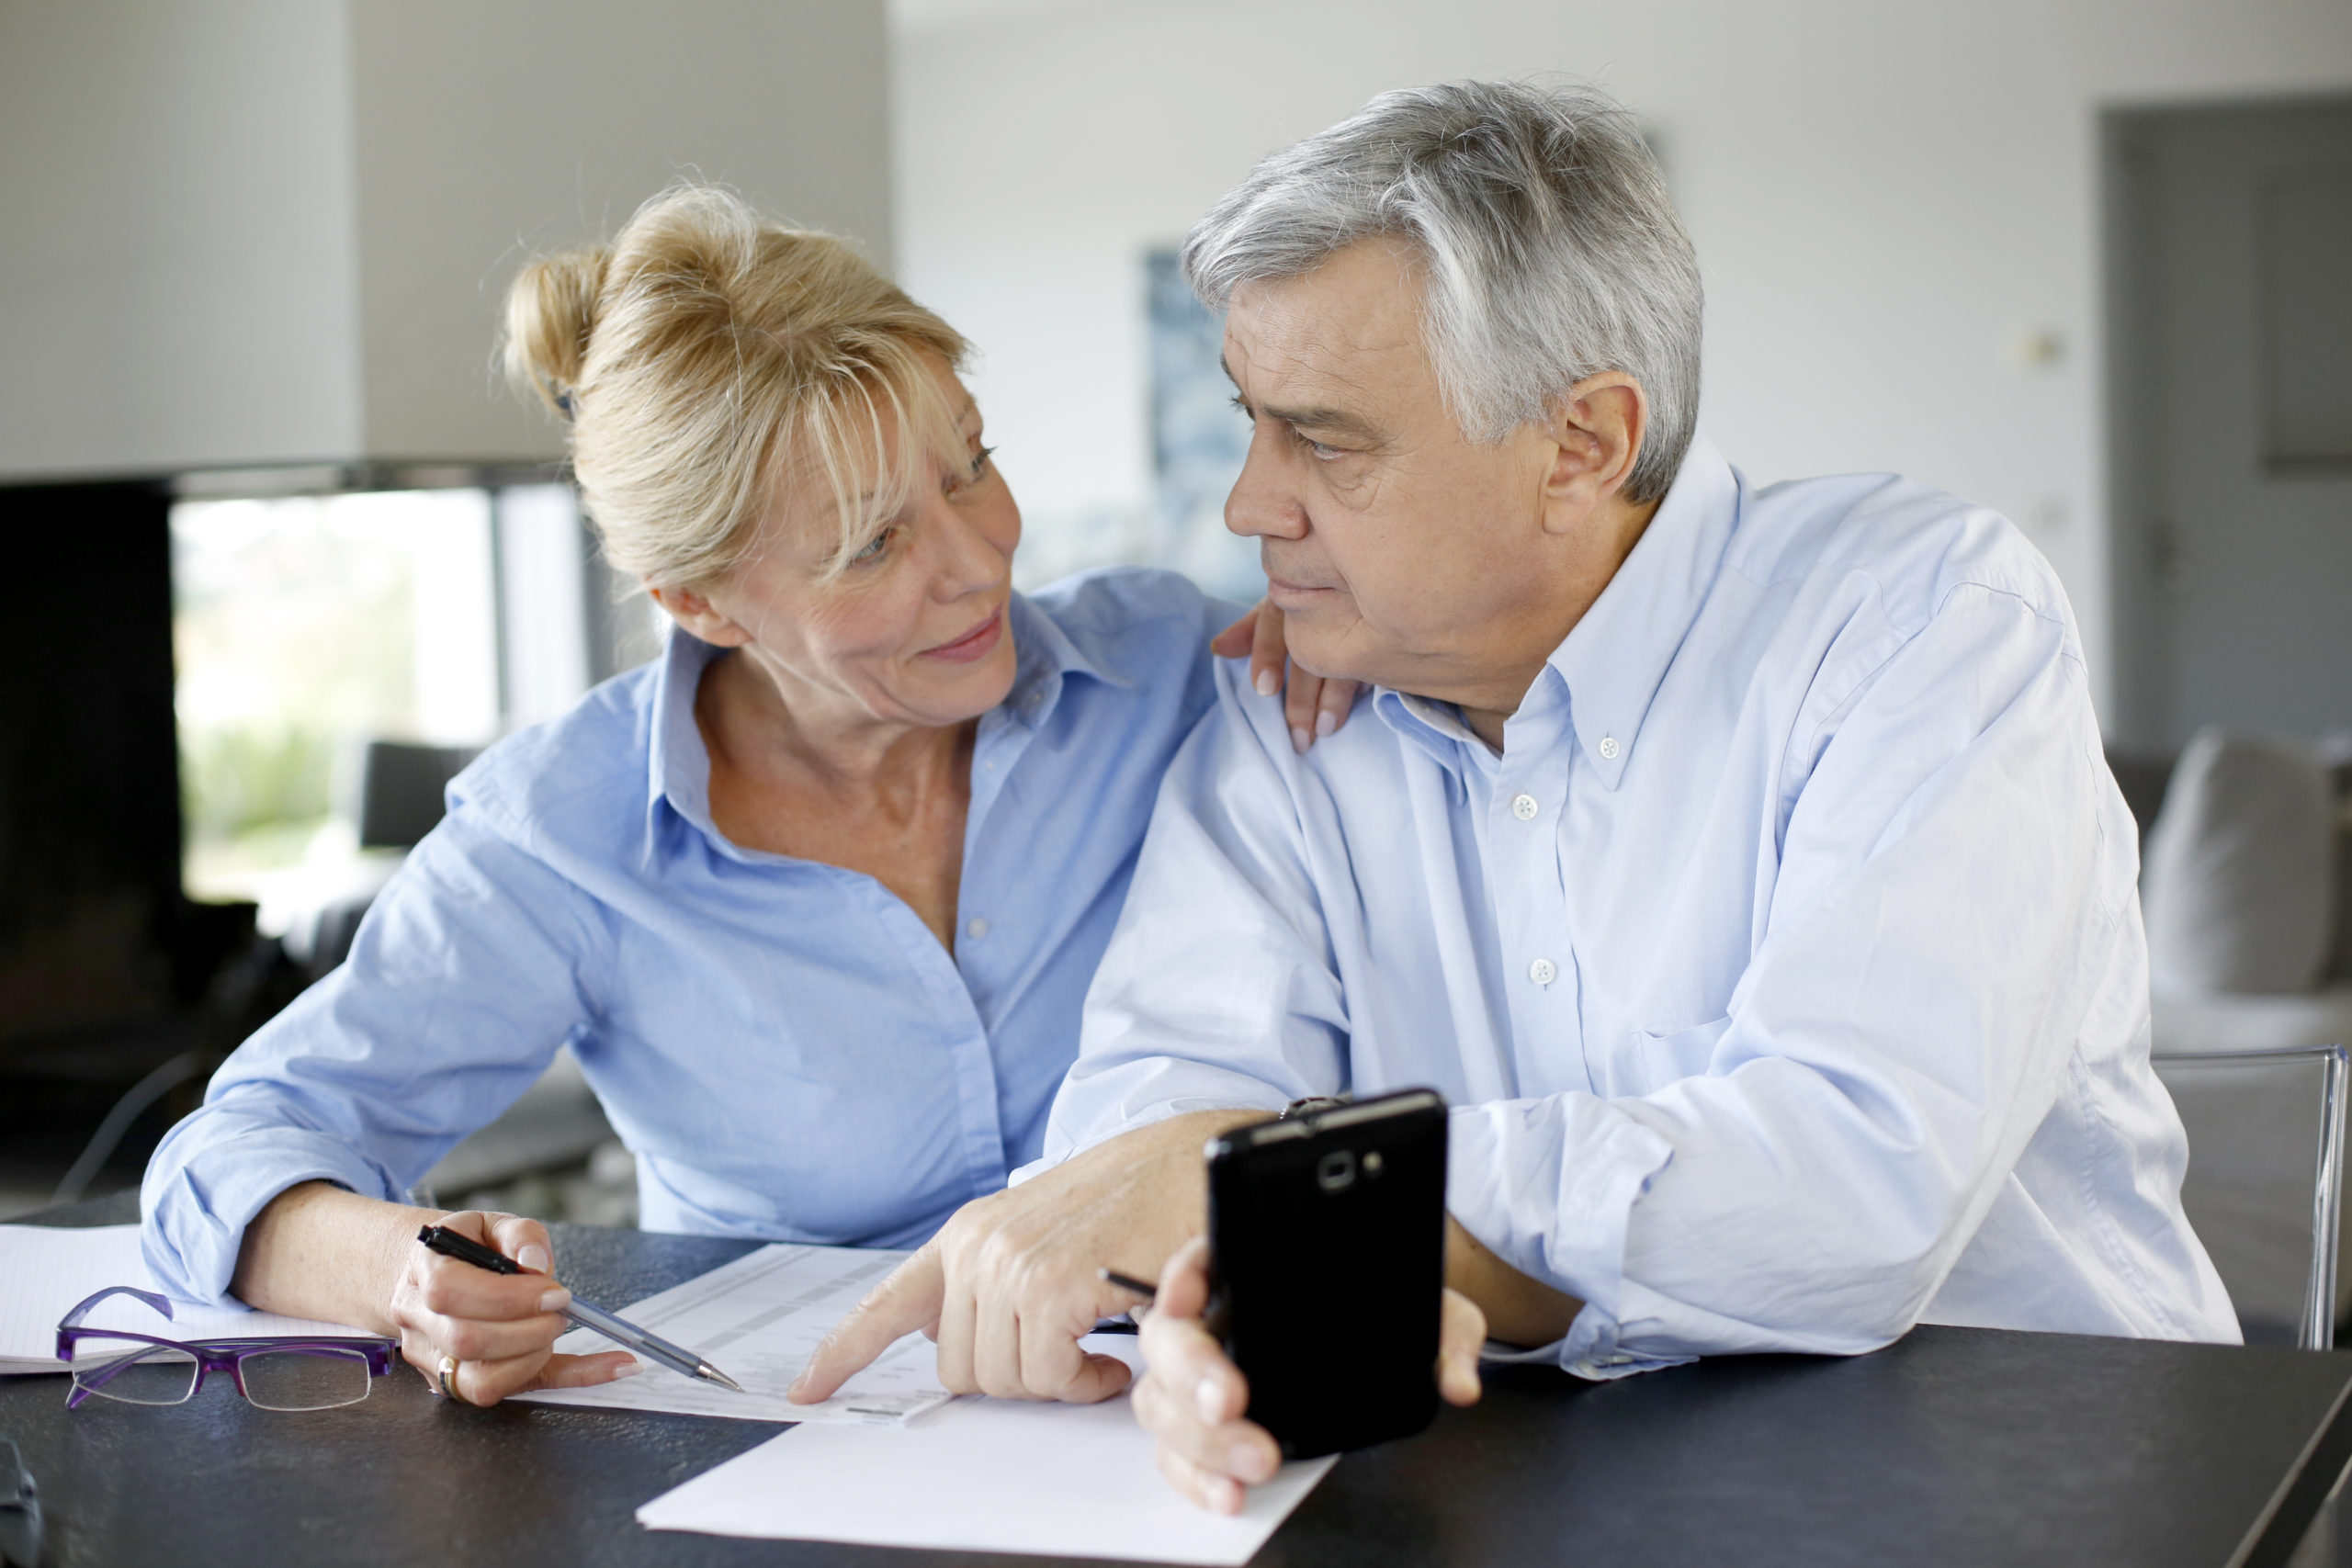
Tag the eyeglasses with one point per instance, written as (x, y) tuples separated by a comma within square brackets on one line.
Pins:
[(276, 1374)]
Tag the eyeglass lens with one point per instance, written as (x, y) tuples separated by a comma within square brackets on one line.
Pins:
[(305, 1380), (151, 1375)]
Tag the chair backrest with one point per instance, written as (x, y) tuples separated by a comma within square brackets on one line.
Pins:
[(2264, 1187), (400, 786)]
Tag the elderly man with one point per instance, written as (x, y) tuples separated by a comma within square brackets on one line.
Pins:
[(1741, 862)]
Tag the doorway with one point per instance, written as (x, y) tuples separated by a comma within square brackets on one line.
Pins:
[(2229, 270)]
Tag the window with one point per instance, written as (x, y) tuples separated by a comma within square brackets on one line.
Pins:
[(302, 627)]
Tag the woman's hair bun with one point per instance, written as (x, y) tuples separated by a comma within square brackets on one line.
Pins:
[(550, 310)]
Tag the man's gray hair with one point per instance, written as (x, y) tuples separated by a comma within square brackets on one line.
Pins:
[(1551, 252)]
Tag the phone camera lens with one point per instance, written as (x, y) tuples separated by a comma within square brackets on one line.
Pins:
[(1336, 1171)]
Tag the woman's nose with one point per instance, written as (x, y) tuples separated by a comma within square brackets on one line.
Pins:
[(968, 561)]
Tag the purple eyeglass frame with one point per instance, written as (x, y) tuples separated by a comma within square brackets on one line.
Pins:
[(210, 1355)]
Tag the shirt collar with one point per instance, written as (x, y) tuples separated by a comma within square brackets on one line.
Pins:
[(1615, 659), (1045, 655), (678, 768), (1435, 726), (1612, 662)]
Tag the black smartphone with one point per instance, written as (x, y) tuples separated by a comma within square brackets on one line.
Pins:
[(1327, 1241)]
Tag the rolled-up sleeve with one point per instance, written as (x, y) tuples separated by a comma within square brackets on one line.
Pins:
[(463, 981)]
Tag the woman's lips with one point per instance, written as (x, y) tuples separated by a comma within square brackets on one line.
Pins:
[(976, 643)]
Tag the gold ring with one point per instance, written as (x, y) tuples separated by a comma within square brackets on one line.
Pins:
[(449, 1370)]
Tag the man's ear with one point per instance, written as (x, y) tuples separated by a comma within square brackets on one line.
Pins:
[(697, 614), (1596, 431)]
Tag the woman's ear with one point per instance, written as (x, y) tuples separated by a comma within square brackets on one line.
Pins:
[(697, 614)]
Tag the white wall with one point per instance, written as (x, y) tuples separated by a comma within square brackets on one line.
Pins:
[(253, 232), (488, 130), (176, 276), (1886, 198)]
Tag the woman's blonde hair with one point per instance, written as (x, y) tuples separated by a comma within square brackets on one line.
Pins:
[(705, 357)]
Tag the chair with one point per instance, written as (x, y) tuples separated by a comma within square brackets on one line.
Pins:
[(2264, 1187), (400, 787)]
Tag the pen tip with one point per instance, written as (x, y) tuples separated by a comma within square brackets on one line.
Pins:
[(715, 1375)]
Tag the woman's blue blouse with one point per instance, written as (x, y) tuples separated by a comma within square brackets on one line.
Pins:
[(786, 1048)]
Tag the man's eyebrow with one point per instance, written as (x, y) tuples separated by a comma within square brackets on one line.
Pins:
[(1331, 422)]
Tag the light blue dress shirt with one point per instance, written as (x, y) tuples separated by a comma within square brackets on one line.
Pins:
[(786, 1046), (1785, 969)]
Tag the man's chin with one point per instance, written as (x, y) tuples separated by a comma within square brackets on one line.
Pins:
[(1322, 630), (1327, 663)]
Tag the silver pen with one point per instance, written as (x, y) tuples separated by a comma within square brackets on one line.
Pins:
[(629, 1334), (466, 1250)]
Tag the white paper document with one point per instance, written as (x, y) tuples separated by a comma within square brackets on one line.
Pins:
[(981, 1476), (758, 1320), (45, 1270)]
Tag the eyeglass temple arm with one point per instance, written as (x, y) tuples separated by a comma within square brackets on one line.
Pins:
[(72, 1319)]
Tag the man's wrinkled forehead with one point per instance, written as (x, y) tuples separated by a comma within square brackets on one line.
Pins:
[(1346, 333)]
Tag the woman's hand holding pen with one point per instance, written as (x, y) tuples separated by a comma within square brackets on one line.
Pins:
[(500, 1329), (319, 1250)]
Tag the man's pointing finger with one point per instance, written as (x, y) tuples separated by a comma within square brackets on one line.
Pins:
[(906, 1303)]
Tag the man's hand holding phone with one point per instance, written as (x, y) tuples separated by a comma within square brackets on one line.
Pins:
[(1193, 1398)]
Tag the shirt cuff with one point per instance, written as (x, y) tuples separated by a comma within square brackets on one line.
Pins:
[(1600, 1368), (1592, 1351), (196, 1204)]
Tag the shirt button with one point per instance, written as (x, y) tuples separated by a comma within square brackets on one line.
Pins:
[(1609, 746), (1542, 971), (1523, 807), (976, 930)]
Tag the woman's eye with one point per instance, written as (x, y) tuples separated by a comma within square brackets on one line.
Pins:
[(875, 548), (974, 468)]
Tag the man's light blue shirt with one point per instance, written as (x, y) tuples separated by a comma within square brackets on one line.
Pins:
[(786, 1046), (1784, 969)]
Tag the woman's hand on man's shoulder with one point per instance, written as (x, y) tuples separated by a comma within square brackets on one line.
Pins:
[(1312, 707)]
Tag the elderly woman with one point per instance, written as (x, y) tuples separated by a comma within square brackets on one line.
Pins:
[(813, 897)]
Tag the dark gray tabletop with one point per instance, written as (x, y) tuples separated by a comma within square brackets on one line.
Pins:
[(1956, 1446)]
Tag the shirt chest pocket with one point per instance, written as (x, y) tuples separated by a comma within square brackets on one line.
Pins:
[(1685, 1053)]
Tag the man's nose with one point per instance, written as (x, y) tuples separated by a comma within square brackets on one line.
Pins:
[(1264, 503)]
